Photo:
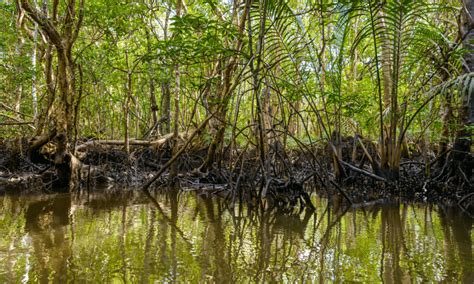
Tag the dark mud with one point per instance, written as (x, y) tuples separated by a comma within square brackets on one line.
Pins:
[(288, 179)]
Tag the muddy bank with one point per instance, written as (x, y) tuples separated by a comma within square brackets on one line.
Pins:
[(288, 178)]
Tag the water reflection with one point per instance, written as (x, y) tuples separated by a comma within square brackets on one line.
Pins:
[(127, 237), (46, 223)]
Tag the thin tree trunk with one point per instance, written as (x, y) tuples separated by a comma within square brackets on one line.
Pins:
[(127, 111), (257, 82), (165, 119), (19, 71), (33, 63), (174, 166), (462, 144), (447, 120), (153, 103)]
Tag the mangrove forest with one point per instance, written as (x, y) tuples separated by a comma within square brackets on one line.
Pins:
[(238, 141)]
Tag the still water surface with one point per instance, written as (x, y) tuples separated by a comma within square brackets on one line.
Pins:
[(111, 237)]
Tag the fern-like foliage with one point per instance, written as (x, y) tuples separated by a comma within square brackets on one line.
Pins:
[(284, 45), (409, 51), (462, 84)]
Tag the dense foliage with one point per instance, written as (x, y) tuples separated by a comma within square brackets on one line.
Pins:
[(260, 72)]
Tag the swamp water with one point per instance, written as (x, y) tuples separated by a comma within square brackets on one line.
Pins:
[(112, 237)]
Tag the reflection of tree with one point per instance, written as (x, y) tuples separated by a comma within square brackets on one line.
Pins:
[(167, 249), (46, 223), (392, 242), (457, 237), (215, 237), (147, 260), (122, 236), (335, 212), (264, 240), (202, 239), (173, 198), (278, 238), (241, 226), (10, 208)]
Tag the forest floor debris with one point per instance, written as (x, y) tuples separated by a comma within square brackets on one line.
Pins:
[(287, 182)]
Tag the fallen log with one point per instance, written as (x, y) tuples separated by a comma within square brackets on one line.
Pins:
[(145, 143)]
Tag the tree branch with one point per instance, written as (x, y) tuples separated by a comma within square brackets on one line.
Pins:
[(45, 24)]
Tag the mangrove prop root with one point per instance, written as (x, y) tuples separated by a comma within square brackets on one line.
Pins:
[(177, 154)]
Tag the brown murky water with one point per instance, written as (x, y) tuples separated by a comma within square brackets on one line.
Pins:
[(112, 237)]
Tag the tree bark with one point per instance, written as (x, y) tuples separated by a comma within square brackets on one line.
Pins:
[(462, 144), (177, 73), (225, 89), (61, 34), (165, 119)]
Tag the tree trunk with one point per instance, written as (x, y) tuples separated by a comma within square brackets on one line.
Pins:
[(62, 34), (153, 103), (34, 56), (177, 73), (447, 120), (165, 120), (224, 93), (127, 112), (462, 144), (45, 111)]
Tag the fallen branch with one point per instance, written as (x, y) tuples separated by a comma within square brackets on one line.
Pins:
[(15, 123), (365, 150), (364, 172), (146, 143), (112, 142)]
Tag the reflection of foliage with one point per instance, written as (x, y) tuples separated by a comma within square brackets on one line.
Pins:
[(198, 240)]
